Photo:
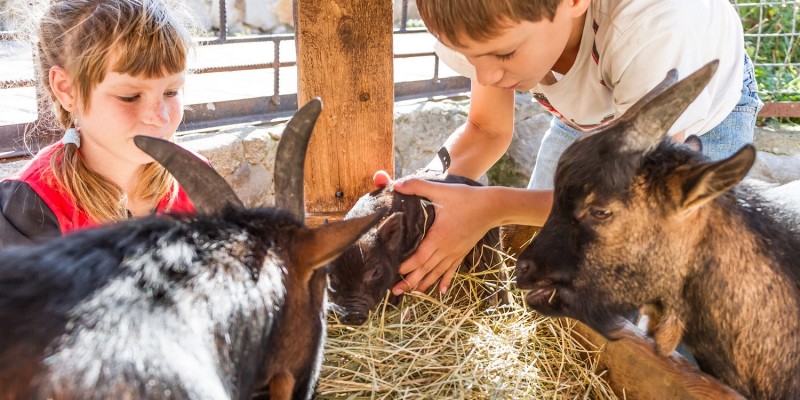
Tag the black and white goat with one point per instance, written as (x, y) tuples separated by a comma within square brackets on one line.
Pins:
[(211, 306)]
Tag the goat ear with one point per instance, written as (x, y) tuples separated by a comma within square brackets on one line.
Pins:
[(710, 180), (694, 143), (653, 115), (313, 248), (391, 231)]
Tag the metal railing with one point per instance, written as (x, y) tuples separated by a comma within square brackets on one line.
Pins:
[(21, 139)]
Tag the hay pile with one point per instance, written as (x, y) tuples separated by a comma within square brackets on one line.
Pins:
[(455, 347)]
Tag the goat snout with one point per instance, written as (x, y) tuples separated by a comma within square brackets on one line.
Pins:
[(354, 318), (526, 274)]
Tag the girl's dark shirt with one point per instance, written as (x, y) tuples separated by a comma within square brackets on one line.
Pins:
[(24, 216)]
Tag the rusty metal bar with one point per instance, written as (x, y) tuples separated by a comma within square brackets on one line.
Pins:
[(403, 15), (276, 69), (783, 109), (223, 20), (246, 39)]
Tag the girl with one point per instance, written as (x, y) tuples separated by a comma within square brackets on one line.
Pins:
[(113, 69)]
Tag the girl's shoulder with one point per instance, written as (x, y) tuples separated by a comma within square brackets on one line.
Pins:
[(38, 168)]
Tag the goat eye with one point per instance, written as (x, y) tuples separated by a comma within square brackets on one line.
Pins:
[(599, 213), (375, 274)]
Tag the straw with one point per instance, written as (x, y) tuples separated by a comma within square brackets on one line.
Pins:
[(459, 346)]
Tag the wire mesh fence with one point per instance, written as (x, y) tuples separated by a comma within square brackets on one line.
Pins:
[(772, 39)]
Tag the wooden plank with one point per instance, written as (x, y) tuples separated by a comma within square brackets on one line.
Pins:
[(780, 109), (635, 369), (345, 57)]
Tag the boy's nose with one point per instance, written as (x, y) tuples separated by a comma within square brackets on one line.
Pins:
[(488, 76)]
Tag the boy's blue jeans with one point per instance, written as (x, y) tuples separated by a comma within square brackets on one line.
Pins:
[(729, 136)]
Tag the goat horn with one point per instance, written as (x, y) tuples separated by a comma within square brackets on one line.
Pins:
[(653, 116), (206, 188), (291, 156)]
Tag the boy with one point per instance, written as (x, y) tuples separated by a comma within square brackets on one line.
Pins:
[(585, 61)]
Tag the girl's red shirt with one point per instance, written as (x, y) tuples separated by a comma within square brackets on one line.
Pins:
[(40, 177)]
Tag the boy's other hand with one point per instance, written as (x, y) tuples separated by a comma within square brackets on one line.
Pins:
[(461, 220), (381, 179)]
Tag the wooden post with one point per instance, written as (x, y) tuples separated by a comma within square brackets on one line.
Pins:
[(344, 56)]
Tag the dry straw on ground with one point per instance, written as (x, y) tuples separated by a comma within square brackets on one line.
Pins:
[(457, 347)]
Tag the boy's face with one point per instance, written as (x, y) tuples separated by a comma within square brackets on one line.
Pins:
[(521, 55)]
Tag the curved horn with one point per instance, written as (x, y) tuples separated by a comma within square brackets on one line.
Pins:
[(206, 188), (655, 116), (291, 156)]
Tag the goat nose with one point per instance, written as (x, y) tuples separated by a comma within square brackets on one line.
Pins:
[(524, 268), (354, 318)]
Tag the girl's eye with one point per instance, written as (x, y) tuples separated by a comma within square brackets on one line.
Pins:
[(128, 99), (171, 93), (505, 57)]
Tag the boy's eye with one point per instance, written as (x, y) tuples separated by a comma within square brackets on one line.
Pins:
[(171, 93), (505, 57)]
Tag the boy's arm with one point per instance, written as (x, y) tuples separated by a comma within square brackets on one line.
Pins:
[(460, 222), (475, 146)]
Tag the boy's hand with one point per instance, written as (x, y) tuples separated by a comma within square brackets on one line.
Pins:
[(461, 220), (381, 179)]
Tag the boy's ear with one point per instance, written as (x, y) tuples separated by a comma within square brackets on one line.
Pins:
[(577, 7), (61, 86), (707, 181)]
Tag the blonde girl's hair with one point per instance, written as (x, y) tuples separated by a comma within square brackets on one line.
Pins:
[(480, 19), (142, 39)]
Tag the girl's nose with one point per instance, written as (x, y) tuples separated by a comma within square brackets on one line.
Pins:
[(156, 113)]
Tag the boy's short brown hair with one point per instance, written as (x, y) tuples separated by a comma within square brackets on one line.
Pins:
[(480, 19)]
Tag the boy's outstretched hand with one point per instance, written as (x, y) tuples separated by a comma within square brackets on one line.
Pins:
[(461, 221)]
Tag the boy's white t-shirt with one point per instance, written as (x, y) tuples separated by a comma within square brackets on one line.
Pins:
[(627, 48)]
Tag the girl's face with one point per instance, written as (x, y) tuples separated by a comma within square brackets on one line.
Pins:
[(523, 54), (123, 106)]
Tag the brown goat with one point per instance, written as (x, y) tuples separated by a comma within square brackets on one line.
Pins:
[(638, 220)]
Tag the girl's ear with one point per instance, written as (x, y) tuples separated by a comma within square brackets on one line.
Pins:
[(61, 86)]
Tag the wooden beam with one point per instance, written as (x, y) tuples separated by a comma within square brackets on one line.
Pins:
[(345, 57), (636, 371)]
